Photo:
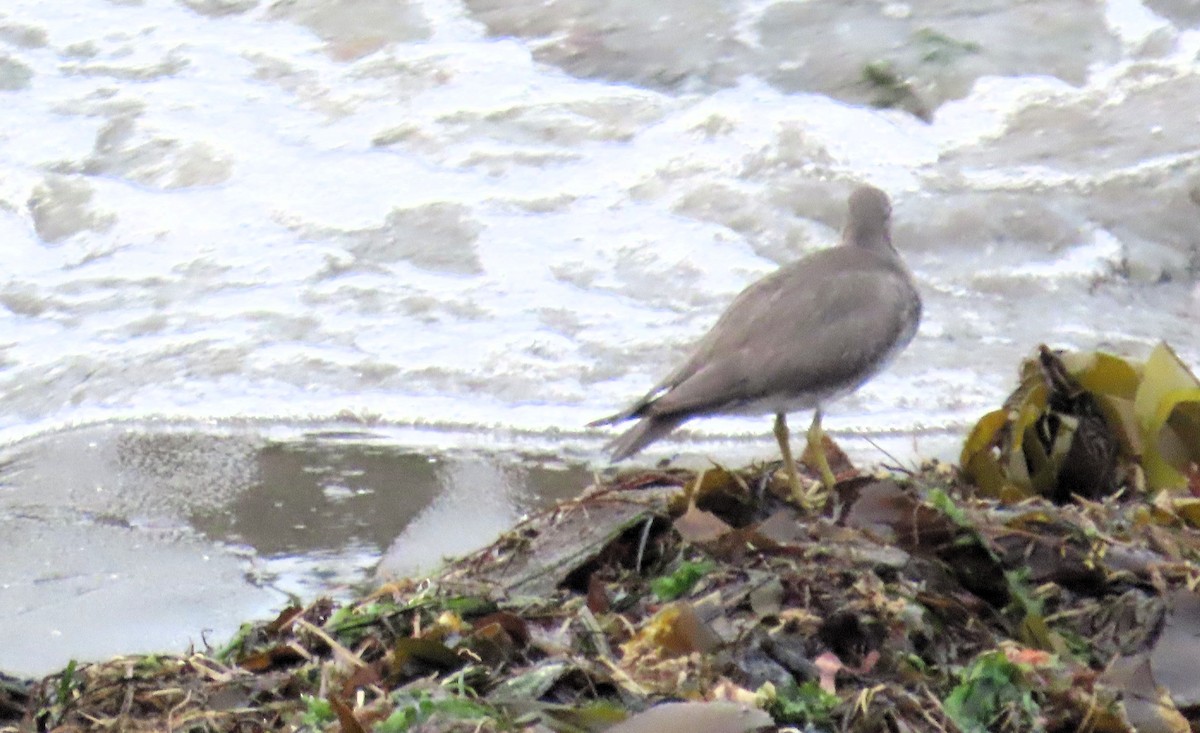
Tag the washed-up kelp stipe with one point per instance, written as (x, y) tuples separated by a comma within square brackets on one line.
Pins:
[(1089, 424)]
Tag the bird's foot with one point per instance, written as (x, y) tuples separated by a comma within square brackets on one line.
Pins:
[(814, 455), (808, 494), (811, 498)]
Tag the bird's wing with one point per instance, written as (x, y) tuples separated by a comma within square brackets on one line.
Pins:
[(715, 340), (826, 337)]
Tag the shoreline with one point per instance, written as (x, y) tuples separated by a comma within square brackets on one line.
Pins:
[(892, 604)]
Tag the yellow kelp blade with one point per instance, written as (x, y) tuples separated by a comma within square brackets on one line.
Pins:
[(1167, 406)]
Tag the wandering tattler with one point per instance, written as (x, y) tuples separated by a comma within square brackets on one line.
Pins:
[(806, 334)]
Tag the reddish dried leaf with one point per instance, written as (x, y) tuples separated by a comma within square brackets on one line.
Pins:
[(283, 620), (365, 676), (492, 644), (1026, 655), (782, 528), (677, 630), (697, 525), (884, 509), (1054, 553), (868, 662), (431, 652), (282, 655), (597, 595), (839, 462), (345, 716), (513, 625)]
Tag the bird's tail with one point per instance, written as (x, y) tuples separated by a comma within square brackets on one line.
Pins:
[(647, 430), (628, 413), (610, 420)]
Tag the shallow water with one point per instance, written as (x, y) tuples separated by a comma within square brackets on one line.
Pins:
[(153, 537), (255, 251)]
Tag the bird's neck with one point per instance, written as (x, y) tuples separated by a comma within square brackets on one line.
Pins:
[(875, 239)]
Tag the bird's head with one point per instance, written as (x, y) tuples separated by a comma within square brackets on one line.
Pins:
[(869, 220)]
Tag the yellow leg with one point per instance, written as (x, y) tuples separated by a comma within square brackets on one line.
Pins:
[(816, 448), (789, 464)]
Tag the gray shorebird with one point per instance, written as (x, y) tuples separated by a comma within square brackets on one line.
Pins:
[(806, 334)]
